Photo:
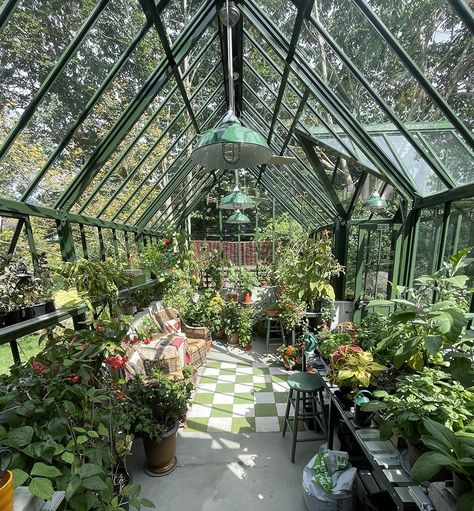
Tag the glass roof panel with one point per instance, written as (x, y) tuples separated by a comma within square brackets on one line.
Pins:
[(28, 52), (439, 42), (177, 15), (113, 32), (283, 14), (134, 135), (453, 154), (95, 127)]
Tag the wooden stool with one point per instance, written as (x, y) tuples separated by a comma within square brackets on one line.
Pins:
[(271, 329), (302, 384)]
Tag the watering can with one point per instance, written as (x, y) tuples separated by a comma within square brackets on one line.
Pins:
[(361, 418)]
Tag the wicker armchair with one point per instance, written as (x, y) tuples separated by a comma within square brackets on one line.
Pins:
[(198, 337)]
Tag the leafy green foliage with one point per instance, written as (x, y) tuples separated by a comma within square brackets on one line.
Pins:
[(207, 311), (328, 342), (152, 407), (431, 394), (61, 420), (446, 450)]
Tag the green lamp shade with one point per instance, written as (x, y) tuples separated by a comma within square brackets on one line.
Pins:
[(231, 146), (375, 202), (238, 218), (236, 200)]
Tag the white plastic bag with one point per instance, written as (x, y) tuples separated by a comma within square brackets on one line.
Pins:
[(333, 470)]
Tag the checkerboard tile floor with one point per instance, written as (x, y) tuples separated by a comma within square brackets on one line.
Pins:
[(239, 398)]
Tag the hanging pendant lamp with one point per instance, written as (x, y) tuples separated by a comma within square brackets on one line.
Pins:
[(375, 202), (236, 199), (238, 218), (231, 145)]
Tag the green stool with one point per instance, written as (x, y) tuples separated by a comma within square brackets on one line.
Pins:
[(305, 384), (277, 328)]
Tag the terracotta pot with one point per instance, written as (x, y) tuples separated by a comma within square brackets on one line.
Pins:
[(247, 297), (160, 455), (272, 314), (248, 347), (6, 491), (232, 297), (233, 339)]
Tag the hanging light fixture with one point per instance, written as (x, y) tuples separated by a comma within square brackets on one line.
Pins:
[(236, 199), (375, 202), (231, 145), (238, 218)]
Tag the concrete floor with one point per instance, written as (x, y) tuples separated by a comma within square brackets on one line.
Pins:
[(225, 471)]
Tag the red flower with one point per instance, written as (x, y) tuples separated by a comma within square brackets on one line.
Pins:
[(120, 396), (38, 367), (116, 361), (131, 260), (100, 329), (167, 242), (147, 340)]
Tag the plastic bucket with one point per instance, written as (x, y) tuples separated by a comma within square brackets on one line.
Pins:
[(6, 491)]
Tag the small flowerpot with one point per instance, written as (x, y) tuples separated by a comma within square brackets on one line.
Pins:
[(247, 297), (160, 455), (272, 314), (13, 317), (233, 339), (247, 347), (27, 313), (6, 491), (39, 309), (50, 306)]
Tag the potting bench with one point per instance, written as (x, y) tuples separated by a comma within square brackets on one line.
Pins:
[(383, 456)]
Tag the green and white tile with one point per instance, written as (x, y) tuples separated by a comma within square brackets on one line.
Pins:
[(239, 398)]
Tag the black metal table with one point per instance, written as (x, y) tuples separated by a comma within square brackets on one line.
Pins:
[(383, 456)]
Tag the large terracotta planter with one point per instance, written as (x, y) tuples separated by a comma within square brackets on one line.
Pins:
[(160, 455), (6, 491), (272, 314), (247, 297)]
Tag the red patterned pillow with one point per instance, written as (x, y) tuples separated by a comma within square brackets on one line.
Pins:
[(173, 326)]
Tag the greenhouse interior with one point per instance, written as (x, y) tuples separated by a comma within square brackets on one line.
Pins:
[(236, 255)]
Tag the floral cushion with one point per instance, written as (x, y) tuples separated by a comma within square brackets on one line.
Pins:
[(173, 326)]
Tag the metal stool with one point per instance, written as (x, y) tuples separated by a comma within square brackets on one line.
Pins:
[(302, 384), (271, 329)]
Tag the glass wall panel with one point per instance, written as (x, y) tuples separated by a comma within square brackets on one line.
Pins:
[(46, 237), (429, 236)]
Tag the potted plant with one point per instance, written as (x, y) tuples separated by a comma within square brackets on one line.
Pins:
[(231, 318), (351, 369), (245, 327), (448, 450), (432, 394), (272, 310), (329, 341), (154, 410), (291, 312), (248, 282), (213, 266), (290, 355), (306, 268), (265, 274), (60, 417)]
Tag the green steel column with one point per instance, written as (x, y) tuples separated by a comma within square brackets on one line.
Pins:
[(361, 248), (239, 248), (396, 249), (127, 246), (256, 239), (341, 235), (413, 246), (221, 241), (273, 233), (457, 233), (114, 240), (31, 243), (16, 235), (83, 241), (444, 234), (101, 244), (66, 241)]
